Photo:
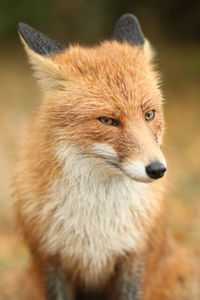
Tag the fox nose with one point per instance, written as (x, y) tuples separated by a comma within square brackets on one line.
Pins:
[(155, 170)]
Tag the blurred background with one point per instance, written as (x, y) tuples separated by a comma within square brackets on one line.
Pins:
[(173, 27)]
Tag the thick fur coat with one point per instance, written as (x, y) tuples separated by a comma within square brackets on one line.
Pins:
[(83, 198)]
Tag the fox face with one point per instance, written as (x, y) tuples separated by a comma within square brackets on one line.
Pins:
[(104, 101)]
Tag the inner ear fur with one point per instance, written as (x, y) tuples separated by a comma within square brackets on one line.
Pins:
[(46, 70), (148, 50), (41, 51)]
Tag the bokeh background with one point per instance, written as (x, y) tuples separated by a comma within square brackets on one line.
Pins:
[(173, 27)]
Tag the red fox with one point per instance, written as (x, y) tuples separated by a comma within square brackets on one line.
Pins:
[(89, 186)]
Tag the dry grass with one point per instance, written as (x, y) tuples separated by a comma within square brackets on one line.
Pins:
[(18, 96)]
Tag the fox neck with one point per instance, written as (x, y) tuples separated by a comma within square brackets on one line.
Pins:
[(100, 195), (99, 217)]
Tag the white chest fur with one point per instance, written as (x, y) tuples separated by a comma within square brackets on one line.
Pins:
[(95, 217)]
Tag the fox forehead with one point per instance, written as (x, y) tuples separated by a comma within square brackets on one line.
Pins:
[(111, 71)]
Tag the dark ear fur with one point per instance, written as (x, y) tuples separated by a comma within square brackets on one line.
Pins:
[(127, 29), (38, 42)]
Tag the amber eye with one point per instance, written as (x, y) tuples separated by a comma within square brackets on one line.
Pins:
[(109, 121), (149, 116)]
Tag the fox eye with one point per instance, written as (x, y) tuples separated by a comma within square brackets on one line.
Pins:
[(109, 121), (149, 116)]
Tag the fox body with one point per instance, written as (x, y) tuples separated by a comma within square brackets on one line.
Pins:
[(87, 200)]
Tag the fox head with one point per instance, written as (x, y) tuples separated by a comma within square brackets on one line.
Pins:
[(104, 101)]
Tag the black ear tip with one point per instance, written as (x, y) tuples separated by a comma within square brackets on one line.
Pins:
[(27, 32), (38, 42), (128, 18), (127, 29), (21, 26), (23, 29)]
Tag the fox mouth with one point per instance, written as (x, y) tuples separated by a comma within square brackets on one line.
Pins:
[(137, 178), (118, 164)]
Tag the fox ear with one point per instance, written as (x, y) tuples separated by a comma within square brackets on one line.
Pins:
[(38, 42), (40, 50), (127, 29)]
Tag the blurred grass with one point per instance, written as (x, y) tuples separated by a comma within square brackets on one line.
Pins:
[(19, 94)]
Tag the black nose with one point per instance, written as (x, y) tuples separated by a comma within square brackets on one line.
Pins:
[(155, 170)]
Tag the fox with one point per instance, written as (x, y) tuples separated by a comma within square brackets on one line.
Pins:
[(90, 178)]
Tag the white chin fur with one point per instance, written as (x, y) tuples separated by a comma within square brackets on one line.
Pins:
[(94, 220), (136, 171)]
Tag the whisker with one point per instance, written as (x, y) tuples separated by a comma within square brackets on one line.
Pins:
[(109, 158)]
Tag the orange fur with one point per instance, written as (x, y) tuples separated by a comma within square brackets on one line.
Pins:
[(79, 86)]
